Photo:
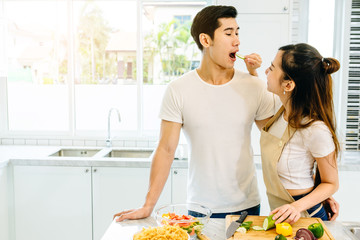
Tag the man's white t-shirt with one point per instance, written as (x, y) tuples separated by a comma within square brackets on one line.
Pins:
[(217, 122)]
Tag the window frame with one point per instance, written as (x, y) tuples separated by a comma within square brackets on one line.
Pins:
[(72, 132)]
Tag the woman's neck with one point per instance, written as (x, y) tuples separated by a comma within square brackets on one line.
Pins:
[(287, 105)]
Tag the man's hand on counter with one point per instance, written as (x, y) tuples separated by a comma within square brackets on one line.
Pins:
[(133, 214), (332, 208)]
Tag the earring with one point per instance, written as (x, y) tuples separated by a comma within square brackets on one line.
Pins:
[(284, 92)]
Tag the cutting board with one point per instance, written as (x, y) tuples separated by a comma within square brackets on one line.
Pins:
[(271, 234)]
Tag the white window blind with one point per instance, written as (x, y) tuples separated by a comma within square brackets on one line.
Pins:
[(353, 96), (299, 21)]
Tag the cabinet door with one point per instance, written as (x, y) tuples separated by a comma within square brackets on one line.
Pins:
[(116, 189), (348, 196), (4, 222), (179, 185), (52, 203), (258, 6), (262, 34)]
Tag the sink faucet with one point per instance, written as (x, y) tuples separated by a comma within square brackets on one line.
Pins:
[(108, 140)]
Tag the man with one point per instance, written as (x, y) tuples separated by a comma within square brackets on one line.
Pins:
[(216, 106)]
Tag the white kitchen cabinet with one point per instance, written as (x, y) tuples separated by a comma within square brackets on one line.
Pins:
[(82, 200), (179, 185), (258, 6), (348, 196), (264, 27), (4, 216), (52, 202), (116, 189), (262, 34)]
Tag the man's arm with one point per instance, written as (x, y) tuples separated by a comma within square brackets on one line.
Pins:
[(160, 168)]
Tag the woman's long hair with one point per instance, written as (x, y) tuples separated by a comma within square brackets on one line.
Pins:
[(312, 96)]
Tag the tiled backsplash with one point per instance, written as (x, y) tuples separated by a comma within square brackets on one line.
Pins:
[(141, 143)]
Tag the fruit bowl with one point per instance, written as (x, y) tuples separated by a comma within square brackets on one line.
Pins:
[(182, 215)]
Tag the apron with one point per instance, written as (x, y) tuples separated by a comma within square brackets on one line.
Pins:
[(271, 149)]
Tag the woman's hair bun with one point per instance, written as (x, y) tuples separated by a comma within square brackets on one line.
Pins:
[(330, 65)]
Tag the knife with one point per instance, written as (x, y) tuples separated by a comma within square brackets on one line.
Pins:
[(235, 224)]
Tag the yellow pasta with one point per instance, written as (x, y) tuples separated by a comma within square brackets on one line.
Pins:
[(166, 232)]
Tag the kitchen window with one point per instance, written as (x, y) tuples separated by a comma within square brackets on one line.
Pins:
[(36, 50), (69, 62)]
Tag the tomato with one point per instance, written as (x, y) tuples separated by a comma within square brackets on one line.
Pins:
[(184, 224), (173, 216)]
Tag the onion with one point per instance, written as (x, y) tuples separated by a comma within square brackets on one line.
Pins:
[(304, 234)]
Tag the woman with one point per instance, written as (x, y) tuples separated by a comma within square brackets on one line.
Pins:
[(300, 134)]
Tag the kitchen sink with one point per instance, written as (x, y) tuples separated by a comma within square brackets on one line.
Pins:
[(356, 231), (103, 153), (126, 153), (354, 228), (70, 152)]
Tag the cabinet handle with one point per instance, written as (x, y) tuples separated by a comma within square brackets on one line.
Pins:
[(86, 170), (285, 8), (95, 170), (175, 172)]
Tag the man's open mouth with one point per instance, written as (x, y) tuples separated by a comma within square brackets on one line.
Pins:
[(232, 55)]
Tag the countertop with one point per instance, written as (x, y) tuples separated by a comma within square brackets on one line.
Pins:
[(39, 156), (215, 229)]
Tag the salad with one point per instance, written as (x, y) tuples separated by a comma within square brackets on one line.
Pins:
[(188, 223)]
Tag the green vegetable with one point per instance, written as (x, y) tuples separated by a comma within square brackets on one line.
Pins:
[(269, 223), (241, 230), (258, 228), (280, 237), (317, 229), (198, 228), (246, 225)]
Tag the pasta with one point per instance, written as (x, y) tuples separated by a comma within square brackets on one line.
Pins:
[(166, 232)]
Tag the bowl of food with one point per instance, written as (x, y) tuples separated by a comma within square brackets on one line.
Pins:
[(190, 217)]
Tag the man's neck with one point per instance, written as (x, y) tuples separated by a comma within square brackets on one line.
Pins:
[(214, 74)]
